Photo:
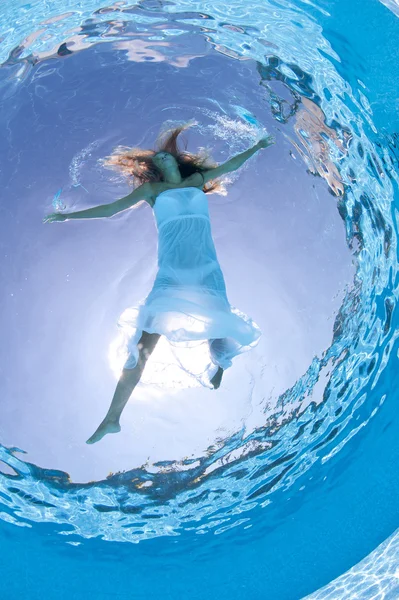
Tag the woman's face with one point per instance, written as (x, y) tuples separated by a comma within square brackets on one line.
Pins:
[(164, 161)]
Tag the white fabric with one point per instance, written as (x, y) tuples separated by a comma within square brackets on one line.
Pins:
[(188, 300)]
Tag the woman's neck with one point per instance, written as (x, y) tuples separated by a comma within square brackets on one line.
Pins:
[(172, 176)]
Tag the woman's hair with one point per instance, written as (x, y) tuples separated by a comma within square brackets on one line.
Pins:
[(137, 166)]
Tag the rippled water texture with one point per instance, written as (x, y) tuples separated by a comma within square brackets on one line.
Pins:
[(307, 239)]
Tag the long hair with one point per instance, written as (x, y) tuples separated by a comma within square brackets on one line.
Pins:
[(137, 166)]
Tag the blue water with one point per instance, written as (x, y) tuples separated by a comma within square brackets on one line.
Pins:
[(273, 511)]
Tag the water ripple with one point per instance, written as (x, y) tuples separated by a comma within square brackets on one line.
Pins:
[(314, 419)]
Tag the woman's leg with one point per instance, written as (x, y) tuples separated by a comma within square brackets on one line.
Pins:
[(217, 349), (217, 378), (126, 384)]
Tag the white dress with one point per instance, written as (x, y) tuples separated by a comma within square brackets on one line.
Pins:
[(188, 300)]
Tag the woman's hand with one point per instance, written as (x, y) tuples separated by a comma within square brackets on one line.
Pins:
[(268, 140), (55, 217)]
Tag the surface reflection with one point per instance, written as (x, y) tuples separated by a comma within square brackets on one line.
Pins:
[(318, 144), (280, 242)]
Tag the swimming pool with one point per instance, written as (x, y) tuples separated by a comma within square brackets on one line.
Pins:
[(286, 477)]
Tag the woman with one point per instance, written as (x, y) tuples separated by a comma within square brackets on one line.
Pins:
[(188, 300)]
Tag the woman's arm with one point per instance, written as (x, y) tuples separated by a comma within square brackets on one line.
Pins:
[(143, 192), (237, 161)]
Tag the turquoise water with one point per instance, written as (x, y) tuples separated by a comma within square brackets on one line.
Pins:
[(279, 509)]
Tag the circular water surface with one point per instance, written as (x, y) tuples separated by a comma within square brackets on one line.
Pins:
[(306, 238)]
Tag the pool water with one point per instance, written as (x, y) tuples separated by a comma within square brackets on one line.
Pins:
[(286, 477)]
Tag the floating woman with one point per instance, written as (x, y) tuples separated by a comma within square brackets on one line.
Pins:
[(188, 300)]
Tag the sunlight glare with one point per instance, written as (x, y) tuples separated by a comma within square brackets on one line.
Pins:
[(172, 366)]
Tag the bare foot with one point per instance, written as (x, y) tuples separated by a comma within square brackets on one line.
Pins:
[(104, 428), (217, 378)]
